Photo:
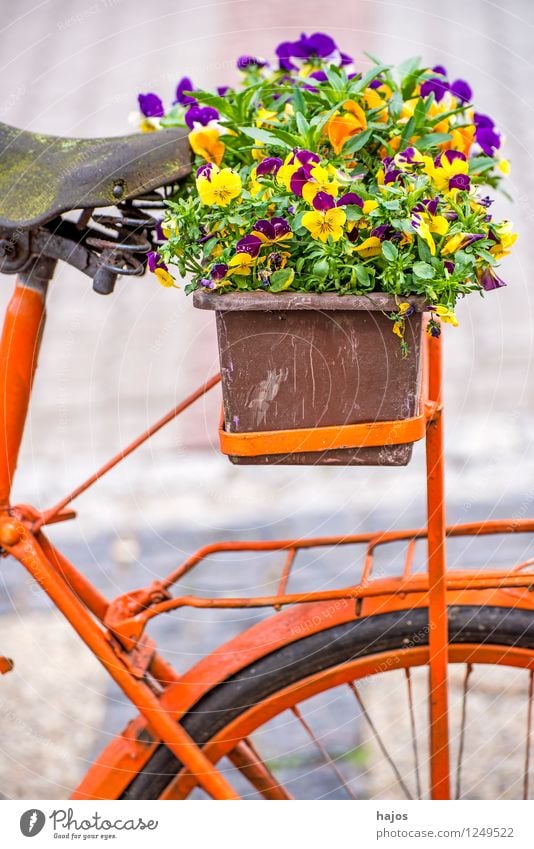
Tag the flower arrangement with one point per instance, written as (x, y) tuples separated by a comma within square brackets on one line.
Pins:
[(316, 177)]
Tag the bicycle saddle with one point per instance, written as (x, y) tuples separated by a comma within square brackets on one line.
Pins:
[(42, 176)]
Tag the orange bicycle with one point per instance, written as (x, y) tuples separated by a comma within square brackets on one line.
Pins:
[(214, 728)]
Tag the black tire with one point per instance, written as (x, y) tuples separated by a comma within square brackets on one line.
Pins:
[(325, 649)]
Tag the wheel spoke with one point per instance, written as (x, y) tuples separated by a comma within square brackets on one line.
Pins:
[(415, 747), (326, 756), (249, 762), (529, 735), (379, 740), (463, 721)]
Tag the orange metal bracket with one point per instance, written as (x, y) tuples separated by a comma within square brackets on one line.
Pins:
[(300, 440)]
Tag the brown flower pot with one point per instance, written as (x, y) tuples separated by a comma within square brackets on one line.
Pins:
[(292, 362)]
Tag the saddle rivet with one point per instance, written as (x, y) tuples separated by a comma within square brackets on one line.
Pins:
[(118, 190), (10, 534)]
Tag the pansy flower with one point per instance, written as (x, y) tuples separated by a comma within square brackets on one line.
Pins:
[(426, 225), (219, 188), (326, 219), (489, 280), (181, 97), (272, 231), (206, 142), (241, 264), (160, 270), (150, 105), (504, 239), (200, 115), (246, 63), (308, 48), (342, 126), (486, 135)]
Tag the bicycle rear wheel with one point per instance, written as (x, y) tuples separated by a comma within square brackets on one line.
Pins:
[(315, 692)]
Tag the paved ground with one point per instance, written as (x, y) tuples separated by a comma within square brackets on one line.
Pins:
[(109, 366)]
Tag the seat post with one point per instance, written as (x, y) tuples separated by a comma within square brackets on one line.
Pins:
[(19, 350)]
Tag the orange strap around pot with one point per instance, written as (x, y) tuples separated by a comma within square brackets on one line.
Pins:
[(299, 440)]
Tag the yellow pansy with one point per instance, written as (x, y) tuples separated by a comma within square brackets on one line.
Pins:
[(165, 278), (447, 315), (286, 171), (369, 206), (263, 115), (453, 244), (241, 264), (506, 238), (369, 247), (445, 171), (422, 227), (320, 182), (206, 142), (221, 187), (504, 166), (324, 224)]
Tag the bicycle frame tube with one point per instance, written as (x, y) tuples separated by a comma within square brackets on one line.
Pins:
[(437, 604), (19, 350)]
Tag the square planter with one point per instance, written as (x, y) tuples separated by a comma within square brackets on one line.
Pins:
[(295, 361)]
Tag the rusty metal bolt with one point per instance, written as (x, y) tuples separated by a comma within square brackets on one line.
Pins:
[(10, 534)]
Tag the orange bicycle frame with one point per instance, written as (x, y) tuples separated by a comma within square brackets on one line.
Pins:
[(115, 630)]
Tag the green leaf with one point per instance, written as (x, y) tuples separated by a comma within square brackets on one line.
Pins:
[(268, 137), (389, 251), (282, 279), (223, 105), (302, 124), (423, 270), (208, 246), (409, 66), (357, 142), (432, 139), (361, 84), (362, 274)]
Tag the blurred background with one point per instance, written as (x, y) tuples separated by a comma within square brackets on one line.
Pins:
[(110, 366)]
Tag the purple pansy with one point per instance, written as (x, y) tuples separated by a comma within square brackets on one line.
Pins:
[(383, 231), (471, 238), (181, 97), (439, 69), (430, 205), (219, 271), (320, 76), (245, 62), (222, 90), (317, 45), (249, 245), (449, 265), (450, 156), (306, 157), (160, 235), (346, 59), (299, 179), (460, 181), (200, 115), (150, 105), (269, 165), (489, 280), (485, 134), (155, 261), (323, 201), (435, 86), (272, 228), (461, 90), (350, 198)]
